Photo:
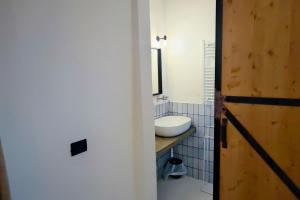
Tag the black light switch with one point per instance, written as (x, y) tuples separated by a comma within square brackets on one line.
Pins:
[(78, 147)]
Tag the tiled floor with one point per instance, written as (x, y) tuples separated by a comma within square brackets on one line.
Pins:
[(185, 188)]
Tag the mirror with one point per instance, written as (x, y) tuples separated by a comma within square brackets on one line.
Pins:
[(156, 68)]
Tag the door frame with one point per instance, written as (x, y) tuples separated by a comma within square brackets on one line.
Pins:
[(236, 123), (218, 81)]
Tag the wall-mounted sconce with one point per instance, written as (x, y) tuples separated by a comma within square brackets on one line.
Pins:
[(161, 38)]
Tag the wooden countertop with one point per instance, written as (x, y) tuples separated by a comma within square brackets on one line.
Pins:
[(162, 145)]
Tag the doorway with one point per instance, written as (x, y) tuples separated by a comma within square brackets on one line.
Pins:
[(183, 77)]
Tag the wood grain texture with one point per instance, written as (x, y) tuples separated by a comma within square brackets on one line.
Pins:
[(4, 191), (162, 144), (261, 58), (277, 130), (261, 47), (245, 176)]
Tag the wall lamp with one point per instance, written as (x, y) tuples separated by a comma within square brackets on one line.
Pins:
[(161, 38)]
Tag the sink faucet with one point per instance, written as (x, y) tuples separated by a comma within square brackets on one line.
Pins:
[(164, 97)]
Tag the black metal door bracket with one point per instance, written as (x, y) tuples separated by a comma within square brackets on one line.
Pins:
[(263, 154), (263, 101)]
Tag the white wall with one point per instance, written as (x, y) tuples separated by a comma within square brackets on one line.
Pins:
[(186, 23), (71, 70), (157, 21), (158, 28)]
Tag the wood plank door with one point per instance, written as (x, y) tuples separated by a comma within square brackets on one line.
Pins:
[(4, 189), (258, 83)]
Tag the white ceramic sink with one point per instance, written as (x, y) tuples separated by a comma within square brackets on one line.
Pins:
[(171, 126)]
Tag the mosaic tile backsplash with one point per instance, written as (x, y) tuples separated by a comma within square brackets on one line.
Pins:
[(197, 150)]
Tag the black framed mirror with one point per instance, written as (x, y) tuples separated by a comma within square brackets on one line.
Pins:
[(156, 68)]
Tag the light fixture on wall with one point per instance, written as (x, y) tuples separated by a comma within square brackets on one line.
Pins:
[(162, 38)]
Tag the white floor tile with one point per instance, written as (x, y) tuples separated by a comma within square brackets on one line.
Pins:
[(185, 188)]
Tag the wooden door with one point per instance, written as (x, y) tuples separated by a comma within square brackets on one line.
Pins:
[(4, 190), (258, 76)]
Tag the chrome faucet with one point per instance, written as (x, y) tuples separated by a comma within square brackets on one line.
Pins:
[(164, 97)]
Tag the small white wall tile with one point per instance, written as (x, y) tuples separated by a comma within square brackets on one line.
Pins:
[(190, 162), (201, 165), (212, 110), (211, 144), (190, 109), (184, 108), (201, 120), (201, 109), (190, 141), (196, 120), (211, 132), (212, 121), (195, 173), (196, 163), (175, 107), (207, 121), (207, 110), (170, 107), (211, 155), (196, 109), (180, 109), (190, 171), (196, 142)]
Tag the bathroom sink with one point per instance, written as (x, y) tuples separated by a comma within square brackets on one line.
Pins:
[(171, 126)]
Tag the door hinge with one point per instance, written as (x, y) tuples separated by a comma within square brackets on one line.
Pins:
[(219, 104)]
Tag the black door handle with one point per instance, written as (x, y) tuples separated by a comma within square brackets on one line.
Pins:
[(224, 132)]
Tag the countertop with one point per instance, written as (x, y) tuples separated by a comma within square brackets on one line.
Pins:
[(162, 145)]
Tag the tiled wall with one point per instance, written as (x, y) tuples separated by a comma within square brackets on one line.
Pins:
[(197, 150), (161, 109)]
